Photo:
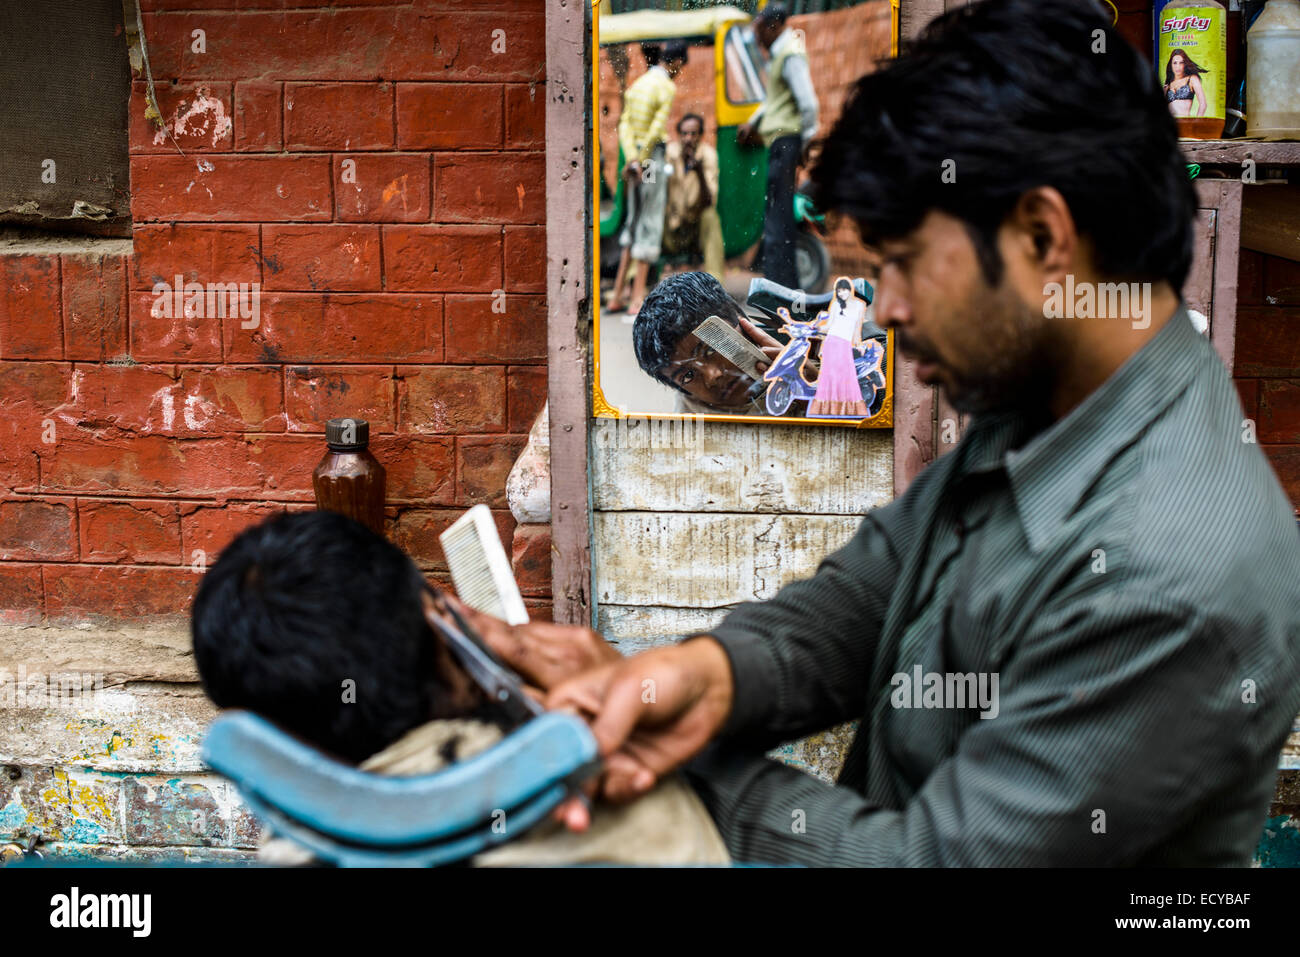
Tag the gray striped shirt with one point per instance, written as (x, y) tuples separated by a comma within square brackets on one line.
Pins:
[(1129, 575)]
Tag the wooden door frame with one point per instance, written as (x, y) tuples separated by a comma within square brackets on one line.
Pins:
[(569, 102)]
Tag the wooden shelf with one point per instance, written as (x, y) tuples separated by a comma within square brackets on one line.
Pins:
[(1232, 152)]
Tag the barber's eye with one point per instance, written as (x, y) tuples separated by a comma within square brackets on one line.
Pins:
[(708, 353), (687, 377)]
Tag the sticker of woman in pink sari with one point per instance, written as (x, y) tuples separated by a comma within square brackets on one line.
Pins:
[(839, 395)]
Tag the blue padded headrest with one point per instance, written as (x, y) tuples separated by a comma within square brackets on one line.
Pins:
[(344, 803)]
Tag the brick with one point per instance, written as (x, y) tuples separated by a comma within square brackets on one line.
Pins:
[(448, 399), (270, 466), (314, 395), (207, 529), (526, 116), (352, 43), (490, 188), (229, 399), (539, 610), (118, 532), (33, 389), (448, 116), (158, 337), (475, 333), (231, 188), (31, 314), (322, 258), (482, 465), (1268, 342), (258, 116), (525, 396), (1250, 278), (421, 469), (94, 306), (38, 530), (169, 810), (353, 328), (19, 461), (416, 531), (118, 591), (442, 258), (338, 116), (197, 118), (21, 595), (197, 253), (79, 807), (1248, 392), (382, 188), (1279, 411), (1285, 460), (525, 257), (530, 557), (124, 397)]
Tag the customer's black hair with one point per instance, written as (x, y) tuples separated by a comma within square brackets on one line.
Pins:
[(297, 606), (674, 50), (671, 311), (1006, 96), (692, 116)]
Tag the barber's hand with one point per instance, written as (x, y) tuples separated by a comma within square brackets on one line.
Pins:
[(746, 135), (544, 654), (771, 347), (651, 712), (632, 170)]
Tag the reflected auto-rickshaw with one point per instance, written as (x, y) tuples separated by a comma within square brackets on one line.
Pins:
[(740, 82)]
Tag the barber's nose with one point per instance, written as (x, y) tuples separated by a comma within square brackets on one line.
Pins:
[(892, 306)]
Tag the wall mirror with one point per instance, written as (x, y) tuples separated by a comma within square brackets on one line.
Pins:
[(724, 293)]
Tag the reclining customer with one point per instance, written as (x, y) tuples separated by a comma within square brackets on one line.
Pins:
[(319, 625)]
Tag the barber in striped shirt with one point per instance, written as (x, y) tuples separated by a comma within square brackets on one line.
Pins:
[(1075, 638)]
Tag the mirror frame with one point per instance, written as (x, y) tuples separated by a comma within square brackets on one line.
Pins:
[(600, 406)]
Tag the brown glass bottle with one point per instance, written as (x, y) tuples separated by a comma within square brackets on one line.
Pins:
[(349, 479)]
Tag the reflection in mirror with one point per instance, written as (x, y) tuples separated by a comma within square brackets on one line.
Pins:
[(724, 292)]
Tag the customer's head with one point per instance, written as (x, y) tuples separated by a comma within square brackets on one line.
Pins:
[(316, 623), (666, 348), (1018, 141)]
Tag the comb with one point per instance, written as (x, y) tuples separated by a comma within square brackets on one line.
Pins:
[(479, 567), (729, 343)]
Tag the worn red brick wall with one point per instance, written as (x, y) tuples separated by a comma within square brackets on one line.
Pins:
[(1268, 359), (379, 170)]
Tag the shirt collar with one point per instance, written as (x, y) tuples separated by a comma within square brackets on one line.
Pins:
[(1051, 467), (781, 40)]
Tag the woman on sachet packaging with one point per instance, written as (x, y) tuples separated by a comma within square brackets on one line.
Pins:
[(838, 393)]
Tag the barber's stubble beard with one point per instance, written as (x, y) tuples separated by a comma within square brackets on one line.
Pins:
[(1016, 362)]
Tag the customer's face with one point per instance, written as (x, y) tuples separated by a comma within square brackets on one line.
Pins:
[(984, 345), (707, 377), (690, 134)]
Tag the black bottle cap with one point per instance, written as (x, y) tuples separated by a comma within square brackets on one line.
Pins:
[(347, 435)]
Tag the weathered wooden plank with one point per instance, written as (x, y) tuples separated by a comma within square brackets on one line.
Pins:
[(708, 560), (652, 465)]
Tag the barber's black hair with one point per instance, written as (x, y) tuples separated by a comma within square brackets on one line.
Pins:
[(297, 606), (1005, 96), (692, 116), (652, 52), (776, 12), (674, 50), (671, 311)]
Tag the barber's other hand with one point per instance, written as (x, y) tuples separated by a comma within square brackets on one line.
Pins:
[(771, 347), (651, 712), (747, 135), (545, 654)]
